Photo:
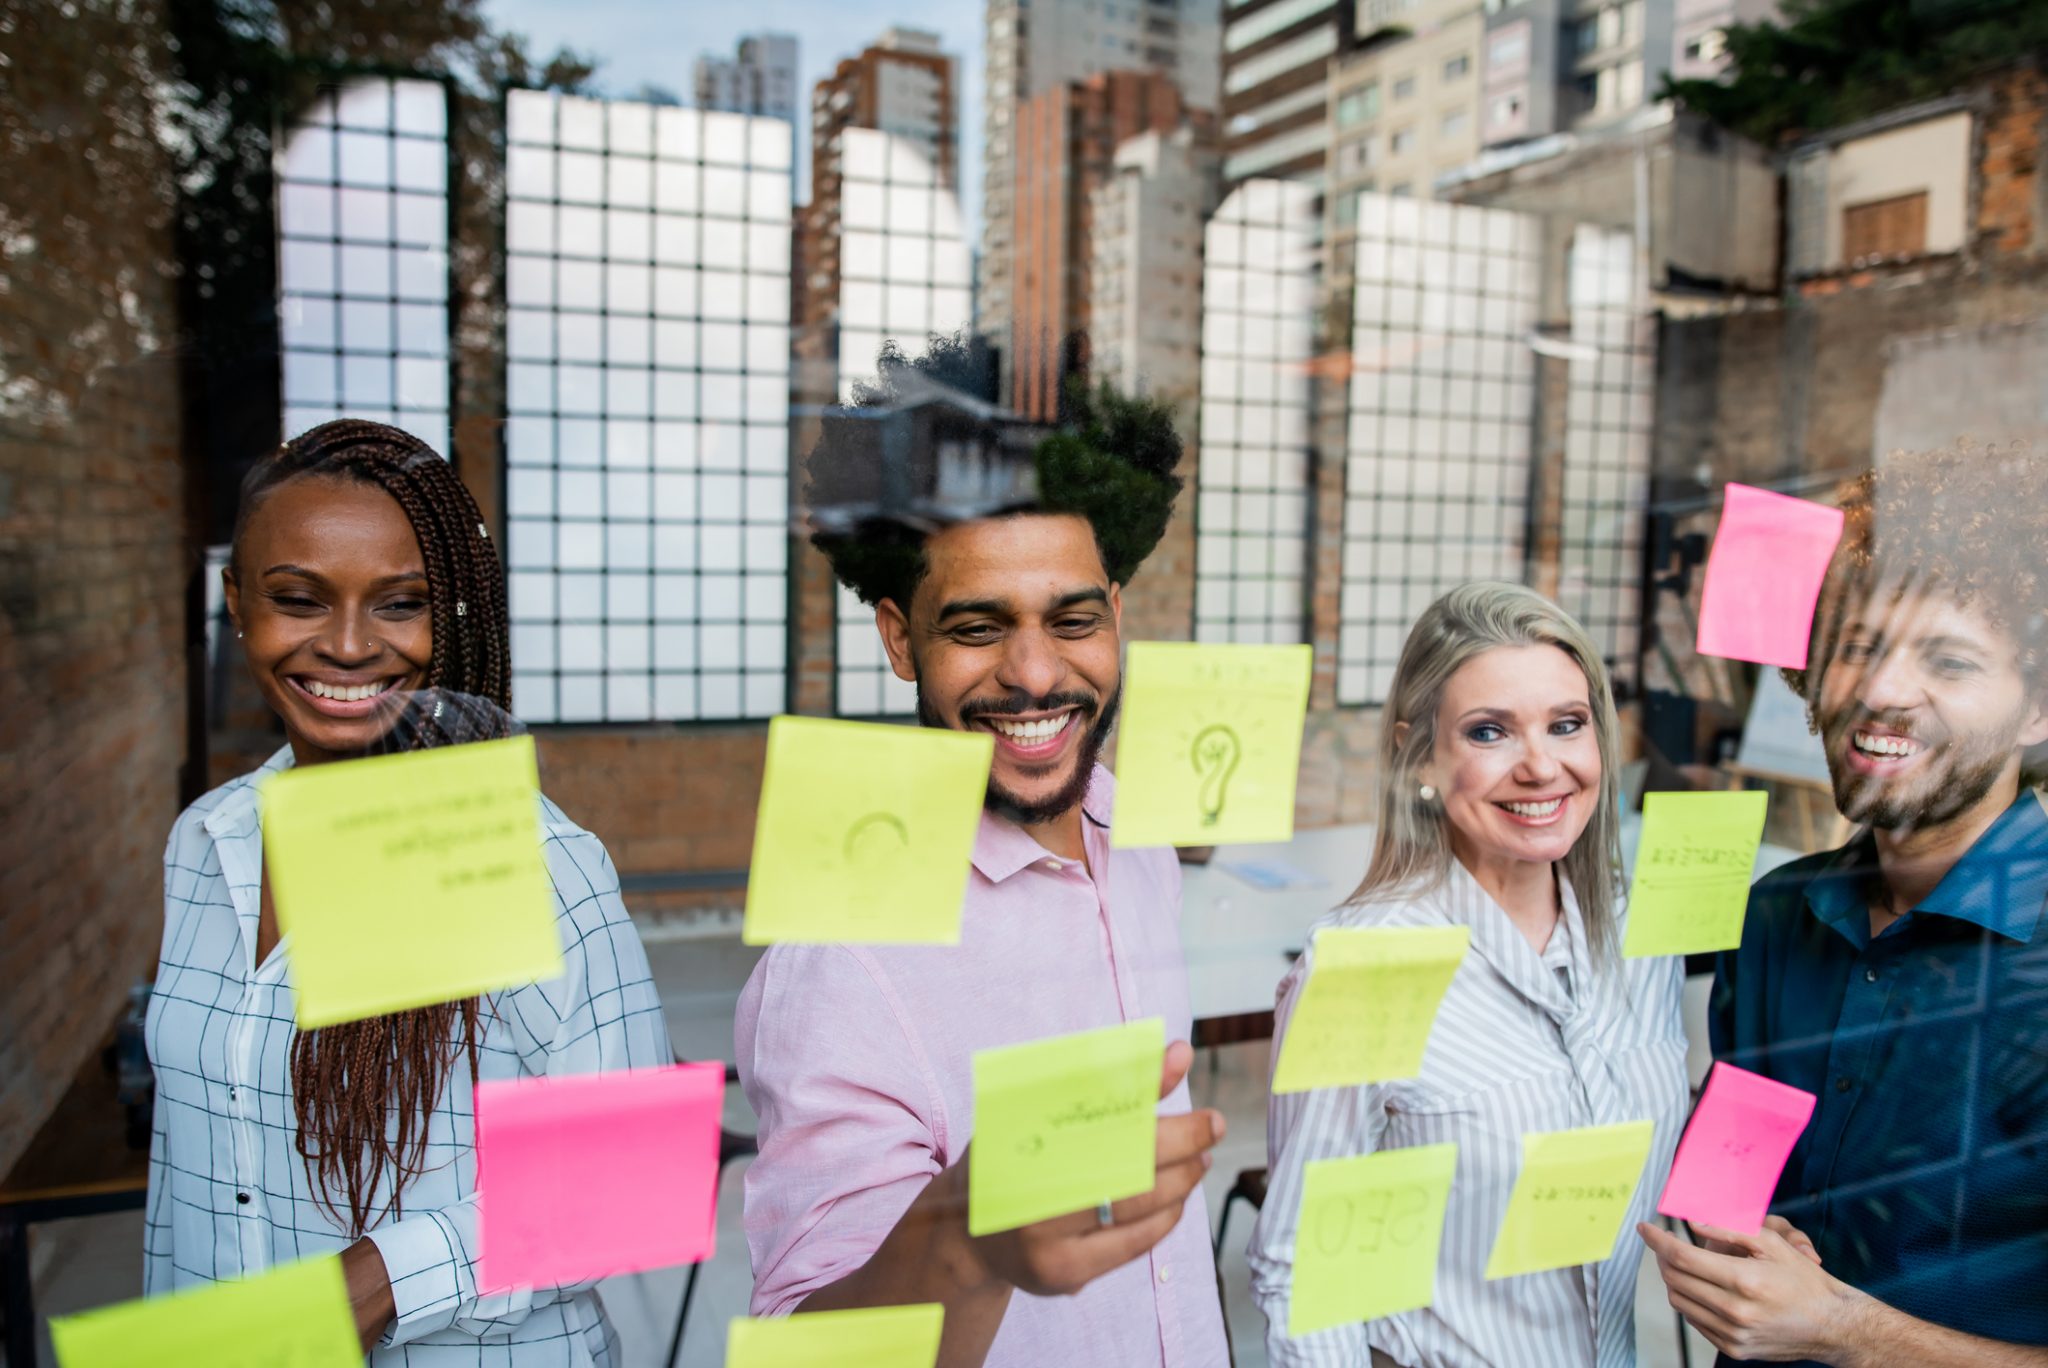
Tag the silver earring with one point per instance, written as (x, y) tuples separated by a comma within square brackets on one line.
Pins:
[(1428, 794), (460, 608), (238, 635), (482, 533)]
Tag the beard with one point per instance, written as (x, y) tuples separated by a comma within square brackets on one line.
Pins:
[(1959, 772), (1096, 718)]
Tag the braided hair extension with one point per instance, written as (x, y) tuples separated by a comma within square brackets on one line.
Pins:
[(363, 1091)]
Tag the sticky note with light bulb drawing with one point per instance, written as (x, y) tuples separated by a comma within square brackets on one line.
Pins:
[(1210, 743)]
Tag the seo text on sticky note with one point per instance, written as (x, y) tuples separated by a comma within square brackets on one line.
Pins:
[(1064, 1123), (1570, 1197), (295, 1314), (643, 1146), (1366, 1010), (1693, 867), (1734, 1148), (1210, 743), (871, 1337), (1764, 574), (864, 832), (1369, 1230), (405, 880)]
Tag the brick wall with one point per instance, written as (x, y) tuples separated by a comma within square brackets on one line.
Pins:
[(94, 556)]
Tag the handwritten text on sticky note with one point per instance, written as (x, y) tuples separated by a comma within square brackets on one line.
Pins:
[(1366, 1010), (296, 1314), (1764, 575), (1693, 867), (1734, 1148), (871, 1337), (864, 832), (1210, 743), (1369, 1230), (642, 1146), (1570, 1197), (405, 880), (1064, 1123)]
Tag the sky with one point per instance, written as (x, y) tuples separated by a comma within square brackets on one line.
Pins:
[(657, 42)]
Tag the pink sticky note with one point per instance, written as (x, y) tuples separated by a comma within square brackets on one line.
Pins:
[(1734, 1149), (1763, 576), (595, 1174)]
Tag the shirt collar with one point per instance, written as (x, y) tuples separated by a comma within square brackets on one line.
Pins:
[(2000, 884), (1001, 847), (235, 814)]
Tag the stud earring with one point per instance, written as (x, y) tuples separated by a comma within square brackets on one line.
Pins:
[(1428, 794), (238, 634)]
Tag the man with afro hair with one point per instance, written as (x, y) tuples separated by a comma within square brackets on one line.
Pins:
[(858, 1059), (1903, 979)]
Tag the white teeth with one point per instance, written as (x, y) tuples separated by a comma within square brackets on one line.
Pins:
[(1534, 809), (1871, 744), (1042, 730), (353, 693)]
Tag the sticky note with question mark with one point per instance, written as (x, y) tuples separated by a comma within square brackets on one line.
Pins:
[(864, 832), (1210, 743)]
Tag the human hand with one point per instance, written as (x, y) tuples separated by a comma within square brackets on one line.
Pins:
[(1059, 1257), (369, 1291), (1761, 1296)]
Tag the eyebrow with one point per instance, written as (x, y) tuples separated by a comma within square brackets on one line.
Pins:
[(1001, 607), (402, 577), (1555, 709)]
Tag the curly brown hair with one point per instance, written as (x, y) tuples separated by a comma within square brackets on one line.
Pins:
[(1970, 522)]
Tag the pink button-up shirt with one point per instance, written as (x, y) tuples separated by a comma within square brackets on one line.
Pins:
[(858, 1060)]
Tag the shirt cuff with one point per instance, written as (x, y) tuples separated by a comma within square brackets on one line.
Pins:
[(424, 1261)]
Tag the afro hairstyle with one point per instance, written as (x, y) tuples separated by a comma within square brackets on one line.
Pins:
[(1111, 460)]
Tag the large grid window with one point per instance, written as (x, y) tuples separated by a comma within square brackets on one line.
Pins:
[(1442, 396), (1608, 409), (904, 275), (362, 215), (647, 394), (1252, 505)]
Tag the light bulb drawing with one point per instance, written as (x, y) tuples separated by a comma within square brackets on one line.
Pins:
[(1215, 754)]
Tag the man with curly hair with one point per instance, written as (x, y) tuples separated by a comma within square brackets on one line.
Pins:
[(858, 1059), (1903, 979)]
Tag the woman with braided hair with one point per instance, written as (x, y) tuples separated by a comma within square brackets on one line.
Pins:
[(370, 607)]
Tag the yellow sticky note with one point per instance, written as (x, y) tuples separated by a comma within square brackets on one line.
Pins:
[(405, 880), (1064, 1123), (1693, 866), (1209, 744), (1366, 1243), (871, 1337), (296, 1315), (1367, 1008), (864, 832), (1570, 1197)]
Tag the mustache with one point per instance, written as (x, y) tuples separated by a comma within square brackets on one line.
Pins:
[(1015, 703), (1858, 716)]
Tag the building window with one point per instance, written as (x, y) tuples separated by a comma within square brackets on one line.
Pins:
[(1706, 47), (1458, 67), (1358, 106), (1609, 26), (1354, 156), (1402, 190), (1404, 87), (1892, 227), (1402, 142), (1631, 21), (1582, 36), (1508, 48), (1505, 110), (647, 396), (1628, 85), (1346, 210), (1454, 123)]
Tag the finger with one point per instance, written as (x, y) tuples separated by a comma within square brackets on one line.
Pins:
[(1761, 1245), (1707, 1321), (1183, 1137), (1794, 1236), (1672, 1253), (1115, 1246), (1170, 1188), (1179, 1055)]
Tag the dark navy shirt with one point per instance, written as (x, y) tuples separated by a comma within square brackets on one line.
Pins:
[(1923, 1176)]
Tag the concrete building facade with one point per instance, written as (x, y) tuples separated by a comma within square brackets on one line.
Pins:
[(1276, 61), (1555, 65)]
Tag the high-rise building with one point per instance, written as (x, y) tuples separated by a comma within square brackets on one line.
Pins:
[(902, 85), (1145, 277), (1552, 66), (1035, 45), (1066, 142), (759, 78), (1276, 60), (1699, 48)]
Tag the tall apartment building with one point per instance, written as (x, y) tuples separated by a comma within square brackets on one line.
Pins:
[(1066, 143), (759, 78), (1145, 274), (1699, 50), (1035, 45), (902, 85), (1553, 66), (1276, 60)]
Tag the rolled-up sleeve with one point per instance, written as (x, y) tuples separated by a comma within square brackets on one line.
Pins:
[(1302, 1127), (852, 1127)]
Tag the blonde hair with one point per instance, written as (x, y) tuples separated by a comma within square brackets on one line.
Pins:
[(1411, 850)]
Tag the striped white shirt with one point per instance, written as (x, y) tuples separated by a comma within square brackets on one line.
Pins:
[(1523, 1042), (228, 1193)]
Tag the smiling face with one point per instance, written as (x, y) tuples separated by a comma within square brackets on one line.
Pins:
[(1014, 631), (1923, 711), (329, 591), (1516, 761)]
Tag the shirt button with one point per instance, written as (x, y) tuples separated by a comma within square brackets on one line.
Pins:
[(242, 1198), (1165, 1273), (1054, 865), (1843, 1084), (1870, 975)]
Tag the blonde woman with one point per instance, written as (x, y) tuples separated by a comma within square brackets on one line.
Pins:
[(1498, 813)]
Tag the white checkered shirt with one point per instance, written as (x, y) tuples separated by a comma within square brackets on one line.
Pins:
[(228, 1193)]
